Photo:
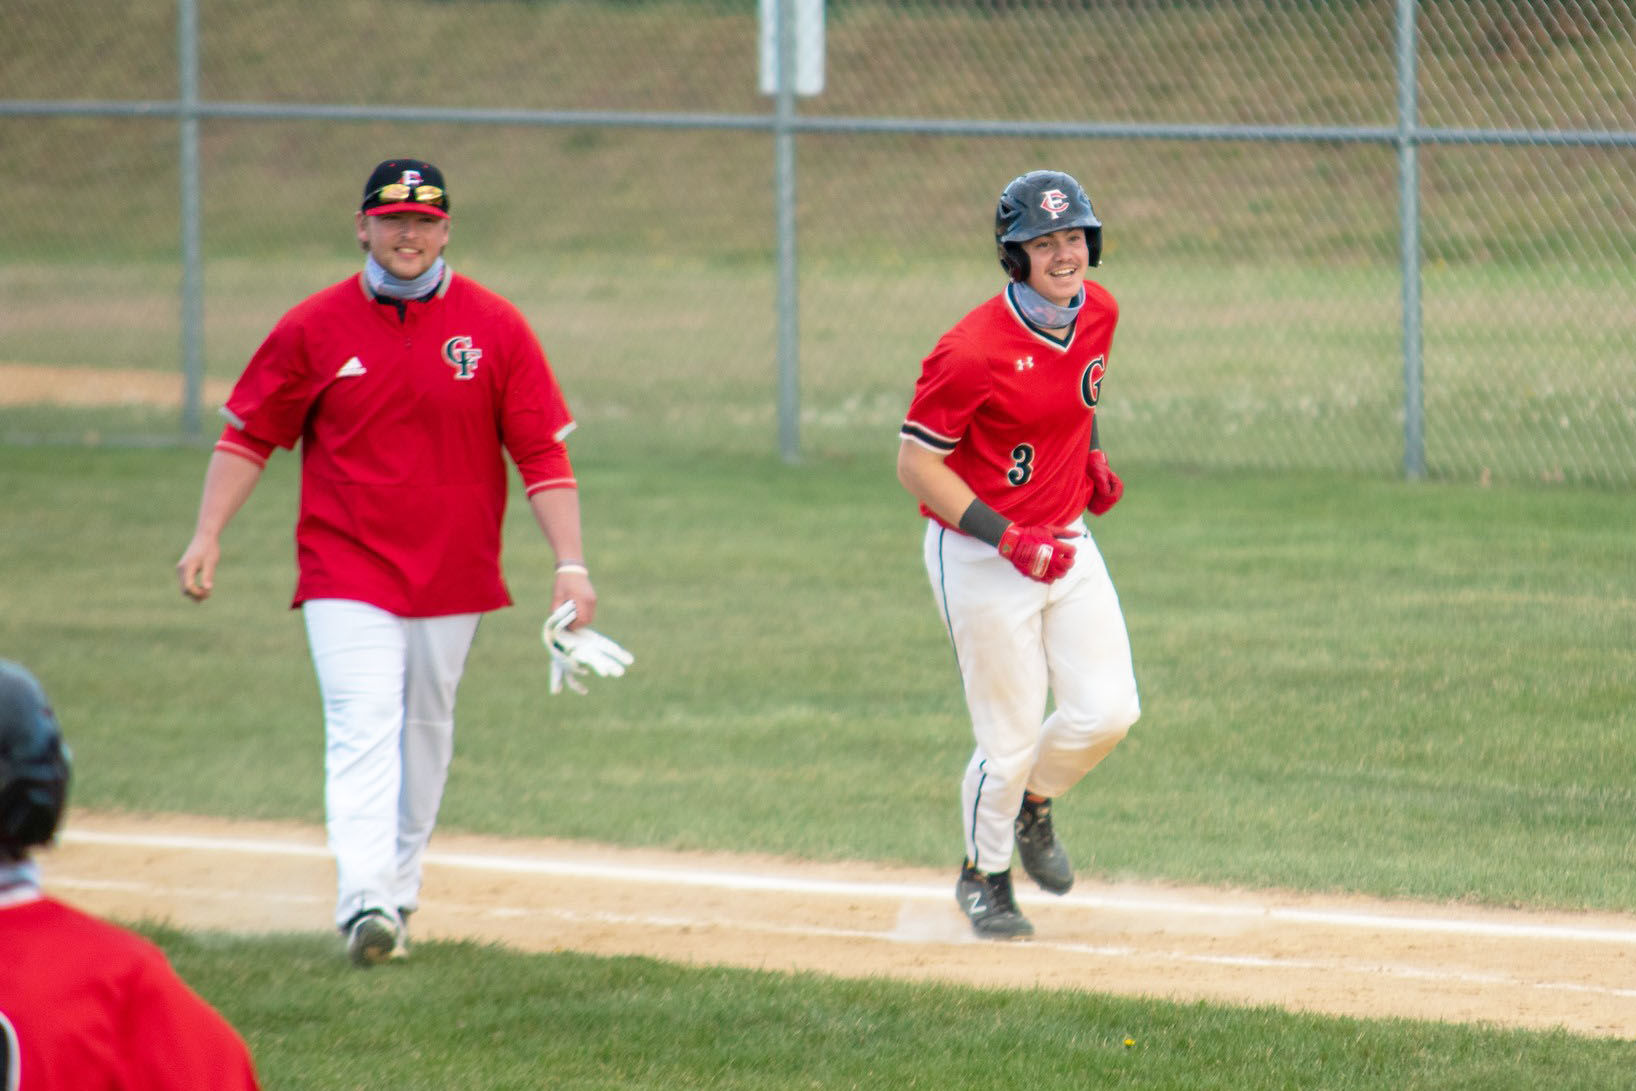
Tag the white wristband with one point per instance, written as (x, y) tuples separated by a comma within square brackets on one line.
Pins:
[(573, 566)]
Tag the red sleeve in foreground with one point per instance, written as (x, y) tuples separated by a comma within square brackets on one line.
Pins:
[(175, 1041)]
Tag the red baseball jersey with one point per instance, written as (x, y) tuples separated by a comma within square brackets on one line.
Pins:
[(1011, 407), (404, 421), (96, 1008)]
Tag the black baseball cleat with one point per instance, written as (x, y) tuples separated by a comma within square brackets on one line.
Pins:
[(1043, 857), (989, 904), (372, 935)]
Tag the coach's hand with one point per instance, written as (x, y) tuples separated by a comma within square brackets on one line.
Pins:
[(1038, 552), (1105, 486), (196, 571)]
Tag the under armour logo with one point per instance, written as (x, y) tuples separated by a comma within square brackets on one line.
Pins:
[(1025, 363)]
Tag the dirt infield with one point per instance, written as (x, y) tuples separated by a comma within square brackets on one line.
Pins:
[(1348, 956), (89, 387)]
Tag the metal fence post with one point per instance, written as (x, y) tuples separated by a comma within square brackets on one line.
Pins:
[(789, 388), (1408, 170), (187, 49)]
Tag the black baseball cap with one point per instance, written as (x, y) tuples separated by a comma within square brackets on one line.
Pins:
[(405, 185)]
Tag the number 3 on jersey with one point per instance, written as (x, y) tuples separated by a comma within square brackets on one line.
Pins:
[(1022, 464)]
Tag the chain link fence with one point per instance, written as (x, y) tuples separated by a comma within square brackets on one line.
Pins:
[(617, 169)]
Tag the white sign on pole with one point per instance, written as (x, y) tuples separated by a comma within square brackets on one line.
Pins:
[(809, 46)]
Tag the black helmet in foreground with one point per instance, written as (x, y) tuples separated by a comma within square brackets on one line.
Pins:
[(34, 764)]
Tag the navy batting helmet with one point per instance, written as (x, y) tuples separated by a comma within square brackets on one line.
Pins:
[(1038, 203), (34, 763)]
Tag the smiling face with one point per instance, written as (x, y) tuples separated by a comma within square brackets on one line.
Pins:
[(405, 243), (1057, 263)]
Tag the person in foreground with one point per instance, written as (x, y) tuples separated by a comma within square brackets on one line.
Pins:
[(84, 1004), (407, 386), (1001, 448)]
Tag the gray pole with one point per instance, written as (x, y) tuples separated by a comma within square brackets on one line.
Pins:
[(1408, 168), (187, 46), (789, 390)]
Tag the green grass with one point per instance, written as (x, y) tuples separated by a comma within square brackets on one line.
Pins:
[(1349, 684), (1276, 366), (1234, 63), (1424, 691), (470, 1016)]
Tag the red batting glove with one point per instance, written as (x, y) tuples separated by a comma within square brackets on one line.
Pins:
[(1037, 552), (1106, 488)]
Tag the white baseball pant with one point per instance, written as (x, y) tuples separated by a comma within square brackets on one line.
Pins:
[(388, 685), (1018, 643)]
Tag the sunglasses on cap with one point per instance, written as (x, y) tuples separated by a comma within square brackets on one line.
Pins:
[(397, 193)]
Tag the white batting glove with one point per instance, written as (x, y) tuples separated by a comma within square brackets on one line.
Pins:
[(575, 651), (565, 672)]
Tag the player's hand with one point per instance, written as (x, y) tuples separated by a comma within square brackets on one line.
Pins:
[(196, 571), (1105, 486), (572, 585), (1040, 553)]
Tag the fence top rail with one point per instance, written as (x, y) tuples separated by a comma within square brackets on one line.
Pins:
[(1384, 134)]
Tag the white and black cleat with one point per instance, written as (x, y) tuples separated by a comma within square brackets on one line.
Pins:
[(990, 906)]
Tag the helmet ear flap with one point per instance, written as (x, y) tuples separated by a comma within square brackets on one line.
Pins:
[(30, 812), (1014, 260)]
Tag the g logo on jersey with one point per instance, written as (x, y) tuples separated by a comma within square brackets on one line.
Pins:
[(459, 354), (1054, 201), (1090, 382)]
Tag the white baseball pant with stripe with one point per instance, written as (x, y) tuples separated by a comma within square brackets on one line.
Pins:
[(1019, 643)]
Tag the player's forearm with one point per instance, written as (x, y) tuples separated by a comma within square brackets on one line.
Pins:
[(924, 474), (229, 481), (557, 513)]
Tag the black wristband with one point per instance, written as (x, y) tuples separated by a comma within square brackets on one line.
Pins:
[(984, 523)]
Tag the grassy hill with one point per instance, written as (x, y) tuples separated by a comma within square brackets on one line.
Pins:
[(1246, 64)]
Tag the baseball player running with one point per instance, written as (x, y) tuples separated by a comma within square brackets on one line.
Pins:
[(406, 385), (1000, 447), (84, 1004)]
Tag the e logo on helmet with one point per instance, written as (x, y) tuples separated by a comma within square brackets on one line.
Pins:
[(1054, 201)]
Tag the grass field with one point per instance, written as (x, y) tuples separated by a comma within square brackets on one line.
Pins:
[(1442, 674), (1423, 691), (1276, 368), (505, 1022), (1350, 684)]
